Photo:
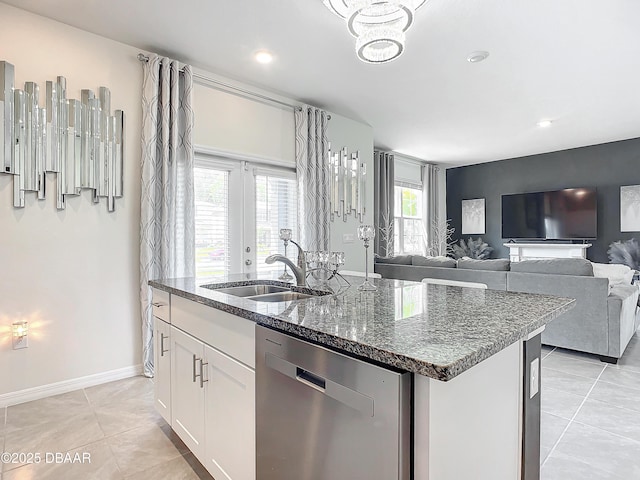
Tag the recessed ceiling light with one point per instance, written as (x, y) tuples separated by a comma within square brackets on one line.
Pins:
[(475, 57), (263, 56), (544, 123)]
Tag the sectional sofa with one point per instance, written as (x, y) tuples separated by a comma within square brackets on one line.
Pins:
[(602, 322)]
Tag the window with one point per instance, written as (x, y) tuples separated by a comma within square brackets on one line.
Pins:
[(240, 209), (408, 220)]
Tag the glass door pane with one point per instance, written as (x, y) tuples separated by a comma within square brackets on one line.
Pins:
[(212, 221), (275, 208)]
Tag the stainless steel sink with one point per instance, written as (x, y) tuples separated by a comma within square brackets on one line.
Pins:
[(263, 292), (279, 297), (253, 290)]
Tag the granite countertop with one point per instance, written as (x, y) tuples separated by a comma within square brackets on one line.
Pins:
[(433, 330)]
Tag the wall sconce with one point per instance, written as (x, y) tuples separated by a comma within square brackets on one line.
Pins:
[(20, 331)]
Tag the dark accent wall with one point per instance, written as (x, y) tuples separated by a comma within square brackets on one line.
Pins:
[(606, 167)]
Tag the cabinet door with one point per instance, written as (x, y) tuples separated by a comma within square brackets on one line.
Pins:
[(162, 366), (187, 391), (230, 418)]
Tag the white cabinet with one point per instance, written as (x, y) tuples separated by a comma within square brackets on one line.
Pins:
[(187, 390), (205, 384), (162, 367), (229, 418)]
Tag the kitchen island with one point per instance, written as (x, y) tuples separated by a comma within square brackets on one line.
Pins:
[(474, 355)]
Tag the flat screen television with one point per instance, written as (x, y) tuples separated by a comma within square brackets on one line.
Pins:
[(554, 215)]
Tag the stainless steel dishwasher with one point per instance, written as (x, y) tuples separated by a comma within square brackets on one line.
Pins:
[(321, 415)]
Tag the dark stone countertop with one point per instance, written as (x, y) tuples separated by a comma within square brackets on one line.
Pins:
[(433, 330)]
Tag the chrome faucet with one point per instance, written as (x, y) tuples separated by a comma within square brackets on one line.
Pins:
[(300, 270)]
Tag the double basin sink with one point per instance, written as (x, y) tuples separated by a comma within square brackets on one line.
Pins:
[(261, 292)]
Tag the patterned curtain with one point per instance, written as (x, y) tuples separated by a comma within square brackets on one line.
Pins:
[(383, 178), (431, 219), (167, 220), (312, 171)]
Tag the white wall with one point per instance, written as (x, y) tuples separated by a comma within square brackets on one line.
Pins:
[(72, 274), (344, 132)]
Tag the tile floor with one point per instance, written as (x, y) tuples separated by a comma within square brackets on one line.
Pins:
[(590, 416), (115, 423), (590, 427)]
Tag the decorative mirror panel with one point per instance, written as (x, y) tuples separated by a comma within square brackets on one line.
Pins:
[(347, 178), (78, 140)]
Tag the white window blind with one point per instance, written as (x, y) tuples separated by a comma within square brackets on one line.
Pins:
[(276, 208), (211, 187)]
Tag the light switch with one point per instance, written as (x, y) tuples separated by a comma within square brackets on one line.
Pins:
[(348, 238), (534, 378)]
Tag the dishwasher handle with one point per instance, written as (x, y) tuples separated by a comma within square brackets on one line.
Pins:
[(341, 393), (311, 379)]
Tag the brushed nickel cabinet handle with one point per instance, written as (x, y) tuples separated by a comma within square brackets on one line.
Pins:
[(195, 359), (202, 380), (162, 350)]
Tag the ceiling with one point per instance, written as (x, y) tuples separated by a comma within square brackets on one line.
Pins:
[(576, 62)]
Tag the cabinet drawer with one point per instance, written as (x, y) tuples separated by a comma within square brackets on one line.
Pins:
[(161, 305), (232, 335)]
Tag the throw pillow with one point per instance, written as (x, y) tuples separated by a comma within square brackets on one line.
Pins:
[(556, 266), (498, 264), (442, 262), (616, 273)]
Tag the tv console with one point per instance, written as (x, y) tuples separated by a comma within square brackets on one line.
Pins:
[(544, 250)]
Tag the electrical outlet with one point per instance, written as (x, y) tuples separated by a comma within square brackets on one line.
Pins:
[(20, 342), (348, 238), (534, 378)]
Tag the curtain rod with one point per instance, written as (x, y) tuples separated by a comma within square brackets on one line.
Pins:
[(408, 159), (246, 93)]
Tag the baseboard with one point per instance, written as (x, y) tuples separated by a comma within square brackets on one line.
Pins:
[(36, 393)]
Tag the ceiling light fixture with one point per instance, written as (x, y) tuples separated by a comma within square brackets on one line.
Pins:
[(379, 26), (263, 56), (544, 123), (475, 57)]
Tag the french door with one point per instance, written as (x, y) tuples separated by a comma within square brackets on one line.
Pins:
[(240, 209)]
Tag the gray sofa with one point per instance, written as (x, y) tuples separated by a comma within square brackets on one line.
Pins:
[(602, 322)]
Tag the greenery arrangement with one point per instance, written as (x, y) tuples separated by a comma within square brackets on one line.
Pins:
[(627, 253), (476, 249)]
